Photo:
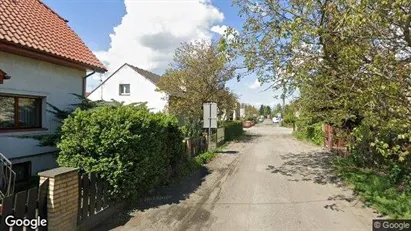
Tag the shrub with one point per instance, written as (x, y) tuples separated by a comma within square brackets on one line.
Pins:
[(192, 129), (312, 133), (377, 190), (253, 119), (132, 149), (196, 163), (233, 130)]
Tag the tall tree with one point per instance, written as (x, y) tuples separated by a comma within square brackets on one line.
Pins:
[(277, 110), (198, 75), (268, 110), (262, 109), (349, 59)]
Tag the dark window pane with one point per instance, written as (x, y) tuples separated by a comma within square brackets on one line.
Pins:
[(29, 113), (7, 112), (22, 171), (124, 89)]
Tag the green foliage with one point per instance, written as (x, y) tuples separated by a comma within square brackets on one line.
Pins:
[(192, 129), (61, 114), (204, 158), (198, 75), (252, 118), (350, 61), (312, 133), (250, 110), (195, 163), (277, 110), (233, 130), (133, 150), (265, 110), (289, 118), (378, 190)]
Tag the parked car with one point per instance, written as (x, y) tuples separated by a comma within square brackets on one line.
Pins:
[(276, 119)]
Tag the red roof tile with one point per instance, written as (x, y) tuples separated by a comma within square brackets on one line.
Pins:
[(32, 25)]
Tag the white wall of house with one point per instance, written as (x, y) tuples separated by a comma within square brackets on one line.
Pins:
[(141, 90), (30, 77)]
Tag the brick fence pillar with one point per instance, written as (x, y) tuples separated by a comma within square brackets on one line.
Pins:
[(62, 198)]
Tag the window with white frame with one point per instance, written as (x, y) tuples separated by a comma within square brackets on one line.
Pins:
[(124, 89)]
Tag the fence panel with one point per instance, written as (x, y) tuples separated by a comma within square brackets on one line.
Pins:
[(20, 207), (32, 195), (25, 204), (195, 146), (220, 136), (85, 193), (99, 196), (93, 202), (6, 210), (93, 179)]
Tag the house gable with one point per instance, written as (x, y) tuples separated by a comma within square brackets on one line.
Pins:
[(141, 88)]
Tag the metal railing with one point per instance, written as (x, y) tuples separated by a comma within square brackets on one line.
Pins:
[(7, 177)]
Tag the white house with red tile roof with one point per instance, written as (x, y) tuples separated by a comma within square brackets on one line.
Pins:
[(130, 84), (42, 61)]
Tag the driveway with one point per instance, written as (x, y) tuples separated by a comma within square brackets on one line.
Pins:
[(268, 181)]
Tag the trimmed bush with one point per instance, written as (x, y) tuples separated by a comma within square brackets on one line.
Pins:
[(312, 133), (132, 149), (233, 130)]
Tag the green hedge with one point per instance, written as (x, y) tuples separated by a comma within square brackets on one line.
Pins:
[(312, 133), (233, 130), (133, 150), (253, 119)]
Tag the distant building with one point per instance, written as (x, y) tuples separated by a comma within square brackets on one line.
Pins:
[(130, 84)]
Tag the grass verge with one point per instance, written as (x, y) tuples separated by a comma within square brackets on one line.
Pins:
[(376, 189), (195, 163), (204, 158), (302, 137)]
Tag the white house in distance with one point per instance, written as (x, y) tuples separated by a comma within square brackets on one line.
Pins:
[(130, 84), (42, 61)]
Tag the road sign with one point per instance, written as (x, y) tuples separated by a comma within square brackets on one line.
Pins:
[(210, 115)]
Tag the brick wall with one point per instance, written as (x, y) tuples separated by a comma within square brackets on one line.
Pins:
[(62, 201)]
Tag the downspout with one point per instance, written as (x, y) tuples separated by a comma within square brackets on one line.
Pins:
[(85, 82)]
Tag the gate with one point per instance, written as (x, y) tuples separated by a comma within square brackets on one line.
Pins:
[(93, 201), (26, 204)]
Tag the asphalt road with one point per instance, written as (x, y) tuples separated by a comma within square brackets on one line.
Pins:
[(268, 181)]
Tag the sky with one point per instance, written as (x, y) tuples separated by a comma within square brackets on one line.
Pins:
[(145, 33)]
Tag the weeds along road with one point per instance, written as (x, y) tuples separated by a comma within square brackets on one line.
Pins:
[(268, 181)]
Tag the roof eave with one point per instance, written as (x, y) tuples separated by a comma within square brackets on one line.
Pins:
[(45, 56)]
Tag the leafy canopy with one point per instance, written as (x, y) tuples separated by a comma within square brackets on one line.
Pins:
[(198, 75), (350, 61)]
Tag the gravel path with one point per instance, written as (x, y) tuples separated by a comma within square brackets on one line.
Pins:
[(269, 181)]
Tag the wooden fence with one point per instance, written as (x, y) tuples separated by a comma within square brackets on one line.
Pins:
[(93, 205), (195, 146), (220, 135), (26, 204), (199, 145)]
